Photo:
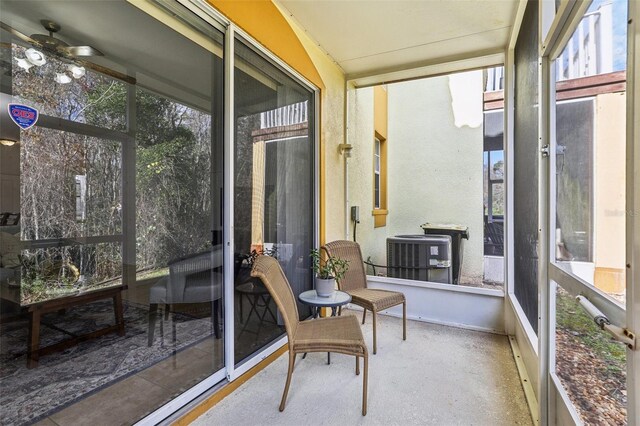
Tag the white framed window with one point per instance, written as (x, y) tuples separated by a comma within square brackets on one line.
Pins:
[(376, 174)]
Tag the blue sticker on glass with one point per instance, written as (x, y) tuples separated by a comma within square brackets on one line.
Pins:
[(24, 116)]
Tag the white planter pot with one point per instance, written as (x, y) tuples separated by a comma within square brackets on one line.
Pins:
[(325, 287)]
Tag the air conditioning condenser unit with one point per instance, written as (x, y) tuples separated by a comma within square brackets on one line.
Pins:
[(420, 257)]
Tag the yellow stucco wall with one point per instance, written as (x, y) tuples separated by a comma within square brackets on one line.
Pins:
[(263, 21), (380, 127), (372, 239), (380, 108), (610, 192)]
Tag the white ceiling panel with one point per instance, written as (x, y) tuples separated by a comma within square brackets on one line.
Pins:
[(416, 55), (366, 37)]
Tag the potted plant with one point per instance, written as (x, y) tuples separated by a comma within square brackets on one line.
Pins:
[(244, 264), (327, 272)]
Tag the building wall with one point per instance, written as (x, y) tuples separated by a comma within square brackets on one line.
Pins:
[(434, 162), (610, 192), (361, 137), (268, 25)]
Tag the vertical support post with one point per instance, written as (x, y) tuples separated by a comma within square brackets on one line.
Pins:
[(257, 196), (129, 191), (319, 202), (570, 63), (228, 238), (582, 60), (33, 350), (543, 243), (509, 147), (347, 202), (118, 312), (592, 62), (605, 38), (550, 234), (546, 297), (633, 208)]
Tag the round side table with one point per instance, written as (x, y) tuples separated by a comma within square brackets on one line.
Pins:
[(337, 299)]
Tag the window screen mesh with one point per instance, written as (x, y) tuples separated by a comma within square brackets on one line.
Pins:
[(526, 165)]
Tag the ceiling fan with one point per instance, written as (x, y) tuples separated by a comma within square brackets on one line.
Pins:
[(74, 53), (51, 43)]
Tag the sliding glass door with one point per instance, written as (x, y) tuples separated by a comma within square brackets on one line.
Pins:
[(119, 207), (274, 191), (111, 284)]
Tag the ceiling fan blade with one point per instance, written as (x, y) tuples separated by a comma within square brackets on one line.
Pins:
[(50, 44), (99, 68), (18, 34), (82, 51)]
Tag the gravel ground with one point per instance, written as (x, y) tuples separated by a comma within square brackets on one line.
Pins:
[(599, 395)]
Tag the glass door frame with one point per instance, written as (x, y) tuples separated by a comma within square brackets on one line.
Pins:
[(188, 10), (560, 29), (234, 33), (230, 371)]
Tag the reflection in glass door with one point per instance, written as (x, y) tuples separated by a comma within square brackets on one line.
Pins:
[(274, 192), (111, 257)]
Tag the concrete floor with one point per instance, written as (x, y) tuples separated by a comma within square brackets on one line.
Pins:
[(438, 376)]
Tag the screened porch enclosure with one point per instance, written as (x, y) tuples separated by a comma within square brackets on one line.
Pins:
[(484, 155)]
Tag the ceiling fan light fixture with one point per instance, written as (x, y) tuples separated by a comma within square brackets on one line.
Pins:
[(7, 142), (76, 71), (24, 64), (36, 57), (62, 78)]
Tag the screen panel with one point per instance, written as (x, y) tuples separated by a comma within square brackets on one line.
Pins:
[(526, 165)]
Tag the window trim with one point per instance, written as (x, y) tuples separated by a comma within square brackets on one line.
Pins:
[(379, 204), (491, 182), (377, 173)]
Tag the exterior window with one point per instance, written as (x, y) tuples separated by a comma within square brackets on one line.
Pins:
[(379, 180), (376, 175), (379, 204), (494, 180), (493, 185)]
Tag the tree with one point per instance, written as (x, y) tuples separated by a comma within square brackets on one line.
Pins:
[(173, 175)]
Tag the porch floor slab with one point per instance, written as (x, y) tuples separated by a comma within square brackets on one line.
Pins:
[(439, 376)]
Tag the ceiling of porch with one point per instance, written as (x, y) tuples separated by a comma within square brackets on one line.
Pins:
[(368, 38)]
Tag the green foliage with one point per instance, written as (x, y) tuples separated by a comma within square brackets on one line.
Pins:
[(251, 258), (106, 106), (173, 167), (40, 288), (498, 169), (331, 267), (572, 317), (173, 181)]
